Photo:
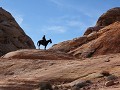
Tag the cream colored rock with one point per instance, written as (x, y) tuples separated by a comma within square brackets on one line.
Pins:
[(109, 83)]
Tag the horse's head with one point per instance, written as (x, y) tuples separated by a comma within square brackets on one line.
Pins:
[(50, 41)]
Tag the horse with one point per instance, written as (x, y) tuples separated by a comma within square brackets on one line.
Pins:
[(44, 43)]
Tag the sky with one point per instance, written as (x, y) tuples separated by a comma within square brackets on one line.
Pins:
[(59, 20)]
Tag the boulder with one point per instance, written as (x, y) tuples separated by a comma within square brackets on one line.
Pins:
[(109, 83), (93, 29)]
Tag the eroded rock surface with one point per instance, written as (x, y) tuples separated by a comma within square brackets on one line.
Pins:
[(26, 74)]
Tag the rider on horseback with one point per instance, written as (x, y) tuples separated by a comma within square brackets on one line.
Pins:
[(43, 42)]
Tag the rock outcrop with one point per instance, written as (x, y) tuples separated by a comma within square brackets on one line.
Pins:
[(103, 38), (12, 36), (108, 42), (109, 17), (38, 54), (105, 19)]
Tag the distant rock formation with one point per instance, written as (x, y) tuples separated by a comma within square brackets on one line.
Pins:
[(103, 38), (105, 19), (12, 36), (109, 17), (106, 42)]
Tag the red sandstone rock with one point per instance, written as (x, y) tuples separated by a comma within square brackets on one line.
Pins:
[(109, 17), (38, 54), (104, 38), (108, 41), (12, 36)]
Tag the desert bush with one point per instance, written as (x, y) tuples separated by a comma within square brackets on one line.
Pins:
[(105, 73), (112, 78), (81, 85), (45, 86)]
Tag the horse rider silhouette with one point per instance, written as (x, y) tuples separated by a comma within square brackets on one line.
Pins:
[(43, 42)]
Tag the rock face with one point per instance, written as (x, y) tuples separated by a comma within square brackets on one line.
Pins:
[(12, 37), (109, 17), (108, 42), (105, 19), (103, 38)]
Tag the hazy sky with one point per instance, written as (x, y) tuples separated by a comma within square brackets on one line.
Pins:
[(59, 20)]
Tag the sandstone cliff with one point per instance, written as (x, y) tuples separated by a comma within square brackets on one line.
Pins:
[(103, 38), (12, 36)]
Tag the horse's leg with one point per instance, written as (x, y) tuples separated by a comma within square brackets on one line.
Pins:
[(45, 48), (39, 46)]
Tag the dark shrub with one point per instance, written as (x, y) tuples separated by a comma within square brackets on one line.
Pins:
[(112, 78), (45, 86), (81, 85), (105, 73)]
